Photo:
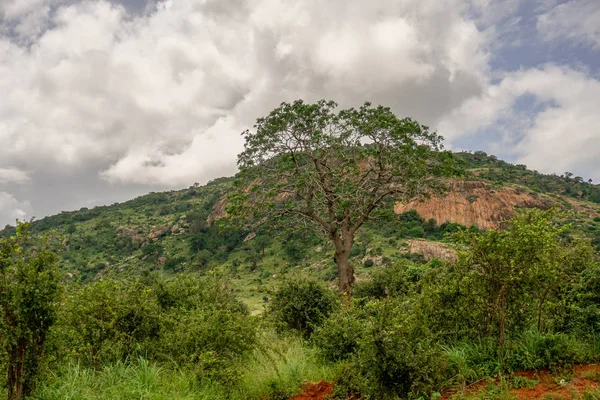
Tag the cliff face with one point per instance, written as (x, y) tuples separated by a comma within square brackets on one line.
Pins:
[(467, 203), (473, 203)]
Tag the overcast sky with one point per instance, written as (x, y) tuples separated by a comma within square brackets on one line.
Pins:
[(101, 101)]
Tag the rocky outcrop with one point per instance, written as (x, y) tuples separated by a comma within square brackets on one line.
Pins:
[(127, 232), (158, 232), (218, 210), (431, 250), (474, 203), (466, 203)]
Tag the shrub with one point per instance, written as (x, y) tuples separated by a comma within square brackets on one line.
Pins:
[(395, 356), (302, 304), (187, 322), (584, 317), (535, 350), (107, 321), (338, 338), (212, 342), (369, 263), (393, 280)]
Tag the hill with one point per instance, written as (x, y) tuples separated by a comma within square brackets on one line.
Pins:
[(175, 231)]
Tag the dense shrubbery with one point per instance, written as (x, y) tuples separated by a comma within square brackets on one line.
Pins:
[(526, 297), (410, 224), (187, 322), (302, 304), (384, 349), (523, 298)]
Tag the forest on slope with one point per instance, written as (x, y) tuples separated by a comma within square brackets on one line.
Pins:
[(178, 231)]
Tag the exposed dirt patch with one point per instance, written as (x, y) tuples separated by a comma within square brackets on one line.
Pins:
[(320, 391), (542, 384)]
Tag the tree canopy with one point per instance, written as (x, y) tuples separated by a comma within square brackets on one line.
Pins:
[(29, 294), (328, 169)]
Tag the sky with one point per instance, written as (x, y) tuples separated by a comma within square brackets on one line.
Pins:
[(102, 101)]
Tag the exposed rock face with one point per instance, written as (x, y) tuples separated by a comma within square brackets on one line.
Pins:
[(473, 203), (218, 210), (377, 260), (158, 232), (123, 231), (431, 250), (250, 236), (467, 203), (177, 230)]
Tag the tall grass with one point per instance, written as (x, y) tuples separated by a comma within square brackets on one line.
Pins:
[(471, 361), (138, 379), (276, 371), (281, 367)]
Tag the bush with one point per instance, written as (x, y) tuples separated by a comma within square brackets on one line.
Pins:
[(369, 263), (535, 350), (212, 342), (302, 304), (395, 355), (584, 316), (187, 322), (338, 338), (395, 280), (107, 321)]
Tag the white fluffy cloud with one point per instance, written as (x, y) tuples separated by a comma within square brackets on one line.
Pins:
[(561, 129), (11, 209), (576, 20), (143, 95)]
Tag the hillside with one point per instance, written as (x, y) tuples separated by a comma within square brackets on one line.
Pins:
[(175, 231), (422, 319)]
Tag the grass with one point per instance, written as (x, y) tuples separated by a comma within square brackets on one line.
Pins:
[(138, 379), (276, 371), (493, 391), (281, 368)]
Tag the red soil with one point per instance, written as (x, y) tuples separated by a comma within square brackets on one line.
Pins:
[(584, 378), (316, 391)]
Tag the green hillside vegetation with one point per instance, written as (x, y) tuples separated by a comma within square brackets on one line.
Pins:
[(114, 240), (482, 166), (169, 296), (522, 298)]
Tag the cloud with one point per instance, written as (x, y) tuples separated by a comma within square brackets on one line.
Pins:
[(205, 158), (140, 95), (13, 175), (577, 21), (99, 103), (559, 131), (11, 209)]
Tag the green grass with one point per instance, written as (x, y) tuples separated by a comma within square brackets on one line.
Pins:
[(138, 379), (276, 371), (281, 368)]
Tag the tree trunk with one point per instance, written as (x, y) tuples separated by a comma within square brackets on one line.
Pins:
[(346, 271), (502, 329), (541, 309), (16, 370), (343, 245)]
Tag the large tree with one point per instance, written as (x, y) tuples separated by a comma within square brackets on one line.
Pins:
[(29, 294), (329, 169)]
